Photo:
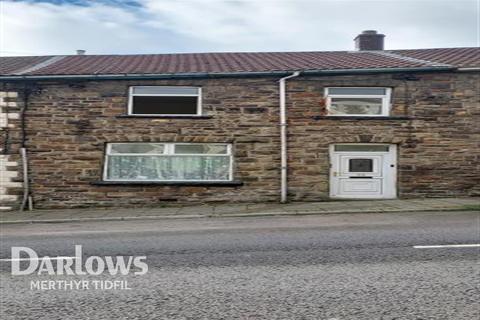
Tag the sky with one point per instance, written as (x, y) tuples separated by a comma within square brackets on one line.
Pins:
[(58, 27)]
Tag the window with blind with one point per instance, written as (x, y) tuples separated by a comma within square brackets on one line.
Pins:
[(168, 162), (361, 101)]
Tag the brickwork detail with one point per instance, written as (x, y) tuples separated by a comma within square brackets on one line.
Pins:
[(9, 169), (68, 125), (438, 153)]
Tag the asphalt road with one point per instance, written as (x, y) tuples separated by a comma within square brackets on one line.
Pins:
[(351, 266)]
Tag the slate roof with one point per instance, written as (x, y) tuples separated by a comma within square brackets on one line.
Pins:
[(187, 63), (458, 57)]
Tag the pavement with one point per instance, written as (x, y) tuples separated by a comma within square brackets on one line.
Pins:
[(240, 209), (321, 267)]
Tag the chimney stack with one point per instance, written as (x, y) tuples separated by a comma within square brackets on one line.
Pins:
[(369, 40), (81, 52)]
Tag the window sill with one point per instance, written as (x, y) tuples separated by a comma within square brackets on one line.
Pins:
[(169, 183), (362, 118), (165, 116)]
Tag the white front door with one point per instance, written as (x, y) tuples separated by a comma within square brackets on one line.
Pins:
[(363, 171)]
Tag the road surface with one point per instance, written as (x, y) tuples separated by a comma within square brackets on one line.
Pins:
[(350, 266)]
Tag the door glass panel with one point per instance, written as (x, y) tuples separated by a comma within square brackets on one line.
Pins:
[(361, 147), (360, 165)]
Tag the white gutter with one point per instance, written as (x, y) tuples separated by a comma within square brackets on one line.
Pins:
[(283, 136), (217, 74), (469, 69)]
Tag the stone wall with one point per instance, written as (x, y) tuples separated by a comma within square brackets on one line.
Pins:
[(9, 159), (69, 124), (435, 125)]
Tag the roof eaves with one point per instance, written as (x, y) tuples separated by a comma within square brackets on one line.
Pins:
[(225, 74)]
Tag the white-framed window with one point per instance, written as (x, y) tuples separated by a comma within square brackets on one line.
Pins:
[(168, 162), (358, 101), (164, 101)]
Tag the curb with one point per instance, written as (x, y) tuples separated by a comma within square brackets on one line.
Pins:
[(228, 215)]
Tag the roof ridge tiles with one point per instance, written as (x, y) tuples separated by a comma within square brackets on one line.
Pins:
[(411, 59), (39, 65)]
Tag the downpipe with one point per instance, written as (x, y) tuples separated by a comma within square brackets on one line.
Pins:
[(27, 198), (283, 136)]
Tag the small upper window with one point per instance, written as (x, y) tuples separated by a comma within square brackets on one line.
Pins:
[(358, 101), (164, 101)]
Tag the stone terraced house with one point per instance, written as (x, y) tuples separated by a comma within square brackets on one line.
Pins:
[(145, 130)]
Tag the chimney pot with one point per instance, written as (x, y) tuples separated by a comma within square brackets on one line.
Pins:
[(369, 40), (81, 52)]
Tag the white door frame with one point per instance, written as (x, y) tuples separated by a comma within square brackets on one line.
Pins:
[(388, 170)]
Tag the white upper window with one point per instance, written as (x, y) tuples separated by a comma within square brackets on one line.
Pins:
[(168, 162), (358, 101), (164, 101)]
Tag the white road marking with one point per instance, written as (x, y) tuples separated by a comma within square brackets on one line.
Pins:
[(40, 258), (449, 246)]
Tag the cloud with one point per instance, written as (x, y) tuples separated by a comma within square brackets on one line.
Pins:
[(159, 26), (47, 28)]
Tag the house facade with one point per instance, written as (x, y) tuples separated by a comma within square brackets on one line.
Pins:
[(146, 130)]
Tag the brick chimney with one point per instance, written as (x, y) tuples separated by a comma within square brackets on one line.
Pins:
[(369, 40)]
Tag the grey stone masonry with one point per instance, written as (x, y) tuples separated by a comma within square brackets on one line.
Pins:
[(434, 123)]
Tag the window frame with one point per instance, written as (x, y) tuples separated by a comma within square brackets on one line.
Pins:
[(386, 101), (169, 150), (361, 144), (131, 95)]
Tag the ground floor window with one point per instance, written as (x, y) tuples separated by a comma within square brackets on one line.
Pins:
[(168, 162)]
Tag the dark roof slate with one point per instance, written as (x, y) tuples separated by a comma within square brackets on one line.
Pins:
[(458, 57), (187, 63)]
